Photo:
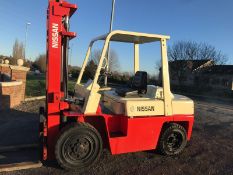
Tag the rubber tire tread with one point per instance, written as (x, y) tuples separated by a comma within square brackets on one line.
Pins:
[(71, 126), (167, 130)]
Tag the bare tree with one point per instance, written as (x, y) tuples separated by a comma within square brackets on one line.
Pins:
[(190, 50), (207, 51), (18, 50), (113, 60)]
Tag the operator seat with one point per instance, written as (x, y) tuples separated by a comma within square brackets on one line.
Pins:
[(139, 83)]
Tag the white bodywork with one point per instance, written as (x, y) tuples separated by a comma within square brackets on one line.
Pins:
[(150, 104)]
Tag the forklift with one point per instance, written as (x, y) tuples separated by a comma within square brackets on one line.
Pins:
[(75, 127)]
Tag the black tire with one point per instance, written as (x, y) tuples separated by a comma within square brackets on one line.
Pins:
[(173, 140), (78, 146)]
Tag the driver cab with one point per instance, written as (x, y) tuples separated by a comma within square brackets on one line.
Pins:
[(142, 99)]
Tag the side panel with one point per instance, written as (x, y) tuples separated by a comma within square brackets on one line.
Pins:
[(182, 106), (188, 120), (138, 134), (141, 134), (144, 108)]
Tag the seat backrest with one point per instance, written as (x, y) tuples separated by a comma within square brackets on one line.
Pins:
[(140, 82)]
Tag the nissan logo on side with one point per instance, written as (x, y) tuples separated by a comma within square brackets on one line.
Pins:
[(55, 35)]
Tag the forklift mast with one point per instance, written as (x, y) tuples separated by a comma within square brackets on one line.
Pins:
[(58, 36)]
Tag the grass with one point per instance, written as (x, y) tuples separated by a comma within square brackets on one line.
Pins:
[(35, 85)]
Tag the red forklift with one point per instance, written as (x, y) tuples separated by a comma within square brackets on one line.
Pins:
[(75, 127)]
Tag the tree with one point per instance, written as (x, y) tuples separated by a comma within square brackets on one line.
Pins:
[(113, 60), (190, 50), (182, 53), (40, 63), (90, 70), (18, 50), (74, 71)]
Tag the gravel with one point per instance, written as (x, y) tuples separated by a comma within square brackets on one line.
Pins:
[(210, 150)]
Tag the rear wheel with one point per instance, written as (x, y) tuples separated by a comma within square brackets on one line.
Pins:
[(173, 140), (78, 146)]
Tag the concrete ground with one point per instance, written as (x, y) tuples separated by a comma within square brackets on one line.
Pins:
[(209, 152)]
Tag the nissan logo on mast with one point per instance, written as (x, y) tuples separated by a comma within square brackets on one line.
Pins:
[(55, 35)]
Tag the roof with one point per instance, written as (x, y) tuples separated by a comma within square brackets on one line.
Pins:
[(191, 64), (220, 69), (131, 37)]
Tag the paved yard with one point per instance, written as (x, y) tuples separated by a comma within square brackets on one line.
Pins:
[(209, 152)]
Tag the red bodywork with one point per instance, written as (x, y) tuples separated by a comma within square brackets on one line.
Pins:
[(120, 134)]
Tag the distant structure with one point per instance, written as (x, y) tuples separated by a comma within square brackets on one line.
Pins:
[(201, 73), (12, 84)]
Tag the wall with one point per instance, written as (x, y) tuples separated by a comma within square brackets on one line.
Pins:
[(11, 94), (12, 91)]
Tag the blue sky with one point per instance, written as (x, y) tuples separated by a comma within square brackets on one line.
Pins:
[(207, 21)]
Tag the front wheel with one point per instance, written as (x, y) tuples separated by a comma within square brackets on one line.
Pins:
[(173, 140), (78, 146)]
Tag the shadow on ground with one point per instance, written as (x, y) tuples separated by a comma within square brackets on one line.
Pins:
[(18, 127)]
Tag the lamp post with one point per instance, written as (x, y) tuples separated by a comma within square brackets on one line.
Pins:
[(112, 15), (26, 36), (110, 29)]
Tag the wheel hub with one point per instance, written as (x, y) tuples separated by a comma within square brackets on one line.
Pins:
[(174, 141), (78, 148)]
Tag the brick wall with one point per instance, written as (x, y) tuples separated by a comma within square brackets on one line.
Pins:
[(19, 75), (10, 95)]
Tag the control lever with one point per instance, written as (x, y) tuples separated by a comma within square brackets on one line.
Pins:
[(76, 101)]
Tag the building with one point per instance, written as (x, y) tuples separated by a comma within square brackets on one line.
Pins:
[(219, 76), (201, 73)]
